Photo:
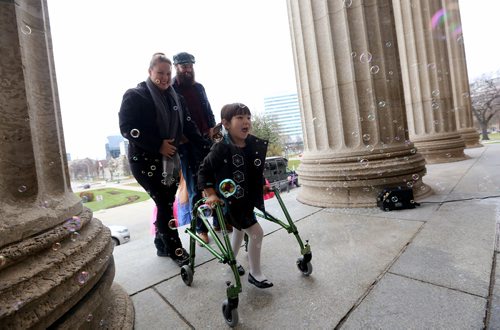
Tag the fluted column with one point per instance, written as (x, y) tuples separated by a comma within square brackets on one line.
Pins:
[(354, 123), (458, 73), (426, 79), (54, 257)]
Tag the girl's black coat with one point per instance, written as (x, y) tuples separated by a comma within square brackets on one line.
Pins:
[(224, 162)]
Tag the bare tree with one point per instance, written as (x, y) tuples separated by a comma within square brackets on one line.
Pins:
[(485, 100)]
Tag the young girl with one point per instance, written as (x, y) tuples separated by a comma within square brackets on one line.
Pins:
[(240, 157)]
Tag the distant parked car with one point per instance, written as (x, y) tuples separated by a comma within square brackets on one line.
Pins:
[(119, 234), (278, 174)]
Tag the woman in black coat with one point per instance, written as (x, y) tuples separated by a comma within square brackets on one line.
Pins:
[(153, 118)]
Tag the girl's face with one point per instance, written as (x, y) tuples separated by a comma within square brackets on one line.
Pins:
[(238, 128), (161, 75)]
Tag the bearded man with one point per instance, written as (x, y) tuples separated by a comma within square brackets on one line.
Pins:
[(201, 113)]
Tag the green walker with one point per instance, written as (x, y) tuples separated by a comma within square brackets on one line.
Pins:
[(224, 253)]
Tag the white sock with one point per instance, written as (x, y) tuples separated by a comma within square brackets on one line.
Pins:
[(255, 236), (236, 240)]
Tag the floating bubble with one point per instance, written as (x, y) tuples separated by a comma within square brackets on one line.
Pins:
[(435, 105), (366, 137), (217, 137), (56, 246), (435, 92), (347, 3), (227, 188), (431, 66), (366, 57), (83, 277), (25, 29), (355, 133), (448, 155), (74, 236), (369, 147), (371, 117), (381, 104), (374, 69), (364, 162), (353, 54), (179, 252), (413, 150), (257, 162), (134, 132), (388, 44), (188, 118), (172, 224), (238, 160), (390, 72), (175, 108), (157, 81), (73, 224), (22, 188), (89, 317), (51, 163), (134, 158), (153, 167), (409, 184), (150, 174), (394, 199)]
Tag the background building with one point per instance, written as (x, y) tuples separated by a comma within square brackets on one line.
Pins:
[(113, 146), (285, 110)]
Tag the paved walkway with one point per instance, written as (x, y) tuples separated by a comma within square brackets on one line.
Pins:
[(432, 267)]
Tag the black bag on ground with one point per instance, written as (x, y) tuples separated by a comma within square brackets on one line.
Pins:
[(396, 199)]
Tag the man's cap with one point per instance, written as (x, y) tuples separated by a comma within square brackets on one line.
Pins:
[(183, 57)]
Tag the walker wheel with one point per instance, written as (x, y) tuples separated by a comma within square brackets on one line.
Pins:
[(187, 275), (230, 315), (305, 267)]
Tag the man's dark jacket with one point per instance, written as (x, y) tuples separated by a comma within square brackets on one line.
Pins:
[(205, 105)]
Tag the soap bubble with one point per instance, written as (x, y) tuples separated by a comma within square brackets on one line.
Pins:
[(134, 132), (172, 224), (227, 188), (205, 210)]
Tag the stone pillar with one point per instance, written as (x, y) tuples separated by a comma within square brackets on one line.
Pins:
[(56, 264), (458, 73), (427, 83), (355, 134)]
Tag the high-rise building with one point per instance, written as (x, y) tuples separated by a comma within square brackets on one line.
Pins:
[(285, 110), (113, 146)]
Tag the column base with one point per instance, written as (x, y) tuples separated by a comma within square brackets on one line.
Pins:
[(471, 137), (349, 182), (443, 148)]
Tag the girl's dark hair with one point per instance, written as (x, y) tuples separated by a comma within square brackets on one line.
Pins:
[(234, 109), (158, 58)]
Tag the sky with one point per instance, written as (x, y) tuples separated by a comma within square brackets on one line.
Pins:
[(242, 49)]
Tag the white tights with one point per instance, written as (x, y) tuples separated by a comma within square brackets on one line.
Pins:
[(255, 235)]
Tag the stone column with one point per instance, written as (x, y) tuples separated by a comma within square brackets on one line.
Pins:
[(458, 73), (427, 83), (355, 134), (56, 264)]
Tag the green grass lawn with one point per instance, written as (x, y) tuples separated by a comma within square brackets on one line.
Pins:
[(112, 197)]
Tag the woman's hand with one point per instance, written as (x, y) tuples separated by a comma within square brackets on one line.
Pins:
[(168, 148)]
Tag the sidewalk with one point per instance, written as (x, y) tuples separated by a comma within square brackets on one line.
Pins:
[(426, 268)]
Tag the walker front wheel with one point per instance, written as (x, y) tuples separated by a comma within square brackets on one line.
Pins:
[(230, 314), (187, 275), (305, 267)]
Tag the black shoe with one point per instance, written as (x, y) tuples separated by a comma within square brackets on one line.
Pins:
[(181, 260), (260, 284), (241, 270)]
